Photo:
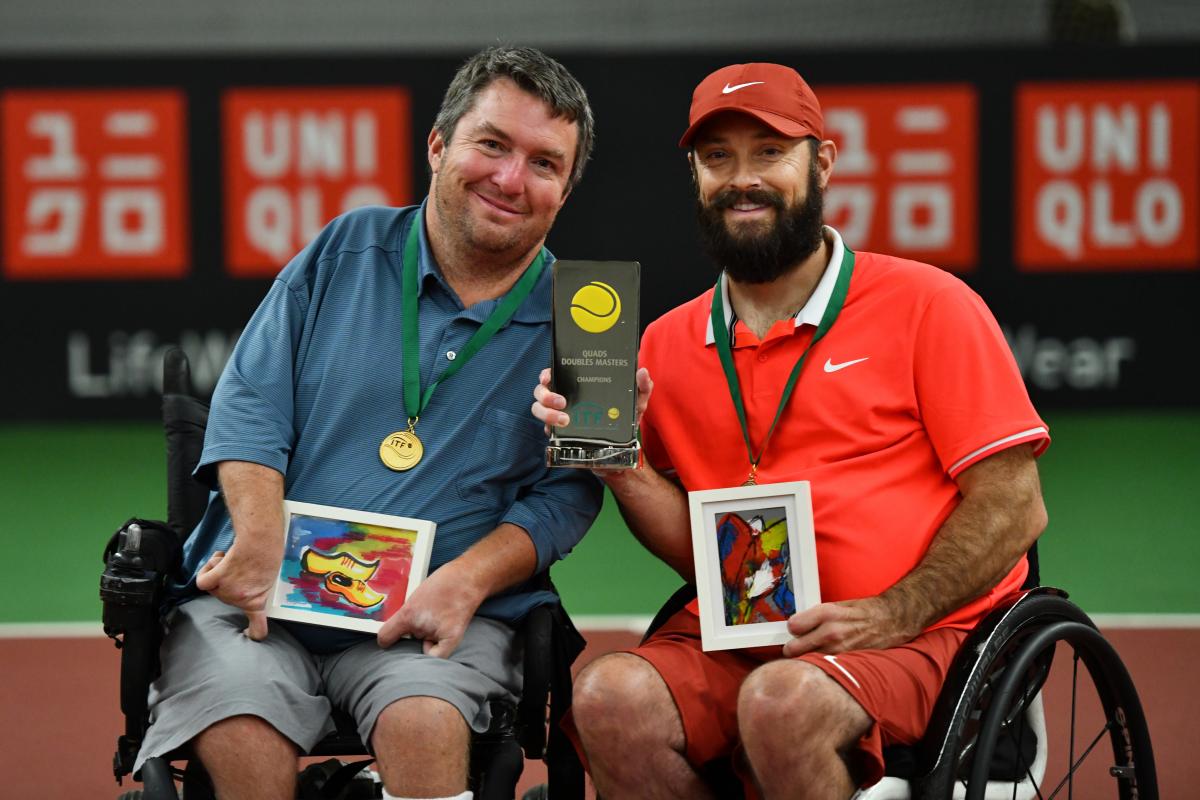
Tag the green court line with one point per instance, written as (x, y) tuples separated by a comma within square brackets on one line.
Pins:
[(1120, 488)]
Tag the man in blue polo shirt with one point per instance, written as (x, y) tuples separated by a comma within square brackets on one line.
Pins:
[(387, 370)]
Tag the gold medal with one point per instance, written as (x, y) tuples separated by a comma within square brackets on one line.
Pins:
[(402, 450), (752, 479)]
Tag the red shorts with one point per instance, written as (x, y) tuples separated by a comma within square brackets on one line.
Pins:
[(896, 687)]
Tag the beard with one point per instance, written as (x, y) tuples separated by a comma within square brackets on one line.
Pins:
[(761, 256)]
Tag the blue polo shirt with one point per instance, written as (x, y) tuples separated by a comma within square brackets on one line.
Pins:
[(315, 385)]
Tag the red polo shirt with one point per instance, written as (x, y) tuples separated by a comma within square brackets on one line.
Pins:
[(913, 384)]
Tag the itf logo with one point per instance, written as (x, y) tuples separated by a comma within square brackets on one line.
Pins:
[(586, 413), (596, 307)]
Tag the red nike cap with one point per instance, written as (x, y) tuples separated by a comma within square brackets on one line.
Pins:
[(772, 93)]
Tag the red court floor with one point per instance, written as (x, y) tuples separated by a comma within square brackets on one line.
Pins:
[(60, 717)]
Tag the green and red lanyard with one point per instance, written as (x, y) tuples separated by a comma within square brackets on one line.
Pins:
[(724, 349)]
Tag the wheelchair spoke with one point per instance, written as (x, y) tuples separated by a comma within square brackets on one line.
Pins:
[(1028, 766), (1069, 777)]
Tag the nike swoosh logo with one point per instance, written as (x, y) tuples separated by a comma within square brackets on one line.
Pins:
[(832, 367), (731, 89)]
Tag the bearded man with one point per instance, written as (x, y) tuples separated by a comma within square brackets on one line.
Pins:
[(883, 382)]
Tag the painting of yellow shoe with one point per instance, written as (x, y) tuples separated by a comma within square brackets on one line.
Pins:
[(345, 575), (354, 591), (348, 568)]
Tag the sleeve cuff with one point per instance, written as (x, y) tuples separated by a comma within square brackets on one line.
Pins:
[(206, 469), (1039, 435), (538, 532)]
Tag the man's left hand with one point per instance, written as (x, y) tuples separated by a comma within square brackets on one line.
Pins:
[(865, 624), (438, 612)]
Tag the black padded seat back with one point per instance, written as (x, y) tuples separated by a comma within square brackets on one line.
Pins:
[(185, 418)]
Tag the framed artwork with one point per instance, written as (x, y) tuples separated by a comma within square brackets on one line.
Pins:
[(348, 569), (756, 562)]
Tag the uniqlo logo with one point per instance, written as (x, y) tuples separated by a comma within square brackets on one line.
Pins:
[(296, 158), (94, 184), (905, 178), (1107, 175)]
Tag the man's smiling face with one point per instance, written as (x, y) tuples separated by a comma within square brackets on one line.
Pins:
[(499, 183)]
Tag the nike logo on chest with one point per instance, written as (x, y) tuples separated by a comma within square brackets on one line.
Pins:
[(832, 367)]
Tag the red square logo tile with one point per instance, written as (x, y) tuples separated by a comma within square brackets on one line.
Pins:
[(905, 178), (94, 184), (1106, 175), (295, 158)]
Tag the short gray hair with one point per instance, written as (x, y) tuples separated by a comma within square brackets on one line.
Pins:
[(536, 73)]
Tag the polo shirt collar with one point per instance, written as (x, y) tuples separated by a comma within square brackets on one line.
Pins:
[(535, 309), (818, 301)]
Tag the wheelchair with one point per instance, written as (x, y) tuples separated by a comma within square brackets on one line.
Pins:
[(143, 555), (988, 736)]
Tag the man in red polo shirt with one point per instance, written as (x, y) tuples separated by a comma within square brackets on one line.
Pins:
[(905, 412)]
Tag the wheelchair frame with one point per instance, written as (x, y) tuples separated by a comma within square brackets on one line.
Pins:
[(143, 554), (975, 746)]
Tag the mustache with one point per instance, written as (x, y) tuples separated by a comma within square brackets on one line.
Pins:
[(728, 198)]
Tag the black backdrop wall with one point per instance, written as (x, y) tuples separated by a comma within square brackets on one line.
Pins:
[(1105, 319)]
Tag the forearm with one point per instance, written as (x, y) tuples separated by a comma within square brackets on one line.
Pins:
[(1000, 517), (656, 511), (254, 496), (502, 559)]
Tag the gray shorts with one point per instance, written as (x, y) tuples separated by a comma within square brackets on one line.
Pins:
[(212, 672)]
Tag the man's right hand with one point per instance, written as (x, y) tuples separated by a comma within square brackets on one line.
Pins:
[(243, 578), (549, 406)]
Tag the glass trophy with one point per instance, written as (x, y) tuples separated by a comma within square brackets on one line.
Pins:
[(594, 364)]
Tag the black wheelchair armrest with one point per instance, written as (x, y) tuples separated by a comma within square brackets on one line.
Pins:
[(538, 635), (552, 644), (138, 560)]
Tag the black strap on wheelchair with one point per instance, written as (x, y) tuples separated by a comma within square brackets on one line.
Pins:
[(552, 643), (332, 780), (563, 768), (683, 595)]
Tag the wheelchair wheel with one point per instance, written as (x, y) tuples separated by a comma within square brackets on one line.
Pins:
[(999, 754)]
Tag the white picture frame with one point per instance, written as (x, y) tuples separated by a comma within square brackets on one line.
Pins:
[(345, 568), (749, 606)]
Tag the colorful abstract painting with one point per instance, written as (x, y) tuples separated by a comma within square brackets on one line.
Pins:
[(344, 568), (756, 575)]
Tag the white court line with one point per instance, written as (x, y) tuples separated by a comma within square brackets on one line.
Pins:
[(1146, 620), (625, 623), (50, 630)]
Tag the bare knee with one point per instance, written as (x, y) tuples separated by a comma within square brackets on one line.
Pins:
[(247, 757), (613, 684), (797, 696), (244, 731), (422, 746), (432, 720), (620, 698)]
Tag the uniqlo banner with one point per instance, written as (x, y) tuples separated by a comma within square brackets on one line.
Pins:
[(1106, 175), (905, 178), (94, 184), (295, 158)]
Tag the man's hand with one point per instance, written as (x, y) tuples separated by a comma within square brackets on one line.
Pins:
[(829, 628), (438, 612), (243, 577), (548, 406)]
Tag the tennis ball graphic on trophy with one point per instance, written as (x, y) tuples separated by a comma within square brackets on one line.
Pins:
[(596, 307)]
